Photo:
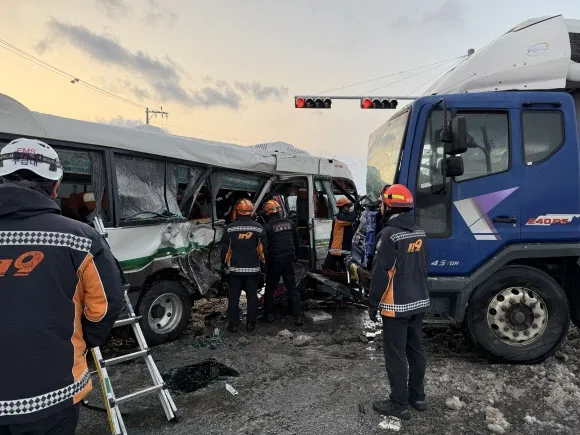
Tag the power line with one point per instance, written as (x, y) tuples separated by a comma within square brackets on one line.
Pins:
[(72, 78), (438, 76), (390, 75), (412, 75)]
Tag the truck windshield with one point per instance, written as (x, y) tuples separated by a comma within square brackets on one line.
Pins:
[(384, 153)]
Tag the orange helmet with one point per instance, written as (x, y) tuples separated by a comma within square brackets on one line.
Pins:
[(342, 202), (272, 206), (397, 196), (244, 207)]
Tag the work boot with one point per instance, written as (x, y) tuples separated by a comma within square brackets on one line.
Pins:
[(388, 408), (232, 328), (250, 327), (298, 320), (419, 405), (267, 318)]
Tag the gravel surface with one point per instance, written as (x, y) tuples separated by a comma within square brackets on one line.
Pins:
[(323, 379)]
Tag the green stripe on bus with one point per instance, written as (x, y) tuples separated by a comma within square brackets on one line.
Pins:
[(139, 263)]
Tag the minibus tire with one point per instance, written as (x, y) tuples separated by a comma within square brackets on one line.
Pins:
[(176, 294), (518, 299)]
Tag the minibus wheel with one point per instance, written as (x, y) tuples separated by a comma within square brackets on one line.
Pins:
[(519, 315), (165, 308)]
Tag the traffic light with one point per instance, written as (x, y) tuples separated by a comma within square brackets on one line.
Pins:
[(369, 103), (312, 103)]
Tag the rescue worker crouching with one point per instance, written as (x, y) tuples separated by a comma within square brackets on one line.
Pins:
[(243, 251), (398, 290), (283, 243), (61, 294), (341, 236)]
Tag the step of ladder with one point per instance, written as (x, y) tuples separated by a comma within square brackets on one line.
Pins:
[(140, 393), (123, 358), (127, 321), (111, 402)]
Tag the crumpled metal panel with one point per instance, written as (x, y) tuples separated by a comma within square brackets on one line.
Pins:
[(201, 267)]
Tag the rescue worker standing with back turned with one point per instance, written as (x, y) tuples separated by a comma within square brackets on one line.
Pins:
[(341, 236), (61, 292), (243, 253), (399, 290), (283, 245)]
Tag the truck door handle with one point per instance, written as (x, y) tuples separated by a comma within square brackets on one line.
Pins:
[(504, 220)]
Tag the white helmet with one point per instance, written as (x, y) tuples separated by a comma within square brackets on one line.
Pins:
[(33, 155)]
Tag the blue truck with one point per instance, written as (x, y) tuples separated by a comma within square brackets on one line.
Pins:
[(492, 155)]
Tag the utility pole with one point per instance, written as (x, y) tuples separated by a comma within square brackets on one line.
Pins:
[(151, 113)]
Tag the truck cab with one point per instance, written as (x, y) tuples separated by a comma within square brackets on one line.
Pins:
[(492, 157)]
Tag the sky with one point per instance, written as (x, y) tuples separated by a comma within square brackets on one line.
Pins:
[(228, 70)]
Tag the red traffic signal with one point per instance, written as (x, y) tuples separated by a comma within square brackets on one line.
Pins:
[(369, 103), (312, 103)]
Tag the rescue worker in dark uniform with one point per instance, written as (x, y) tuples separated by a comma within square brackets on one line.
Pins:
[(341, 236), (283, 245), (243, 251), (61, 292), (398, 290)]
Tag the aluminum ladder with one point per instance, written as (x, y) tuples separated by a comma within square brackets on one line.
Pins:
[(111, 402)]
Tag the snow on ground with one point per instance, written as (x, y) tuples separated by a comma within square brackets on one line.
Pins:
[(323, 379)]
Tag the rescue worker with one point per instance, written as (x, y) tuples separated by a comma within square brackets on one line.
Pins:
[(398, 290), (341, 236), (283, 243), (61, 294), (243, 254)]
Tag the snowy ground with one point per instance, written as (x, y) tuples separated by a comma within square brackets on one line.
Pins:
[(325, 381)]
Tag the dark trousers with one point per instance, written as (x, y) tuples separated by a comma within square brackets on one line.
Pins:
[(286, 271), (62, 423), (249, 284), (405, 358)]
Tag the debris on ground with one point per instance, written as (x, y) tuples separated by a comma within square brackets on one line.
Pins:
[(391, 423), (302, 340), (530, 420), (231, 389), (454, 403), (496, 421), (243, 341), (316, 316), (209, 342), (286, 334), (195, 376)]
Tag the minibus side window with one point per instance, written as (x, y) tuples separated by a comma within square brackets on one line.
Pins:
[(83, 190), (147, 188)]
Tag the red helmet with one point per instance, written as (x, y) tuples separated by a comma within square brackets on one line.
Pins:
[(272, 206), (244, 207), (397, 196), (342, 202)]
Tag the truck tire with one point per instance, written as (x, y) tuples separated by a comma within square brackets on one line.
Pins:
[(519, 315), (165, 308), (575, 309)]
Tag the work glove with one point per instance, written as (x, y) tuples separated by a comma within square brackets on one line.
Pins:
[(373, 312), (225, 270)]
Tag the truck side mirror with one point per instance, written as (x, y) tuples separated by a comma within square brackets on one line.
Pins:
[(457, 139), (453, 166)]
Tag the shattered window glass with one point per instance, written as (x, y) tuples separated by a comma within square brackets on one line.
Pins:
[(238, 182), (142, 189)]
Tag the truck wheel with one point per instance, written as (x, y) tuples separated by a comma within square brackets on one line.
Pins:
[(519, 315), (575, 310), (165, 309)]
